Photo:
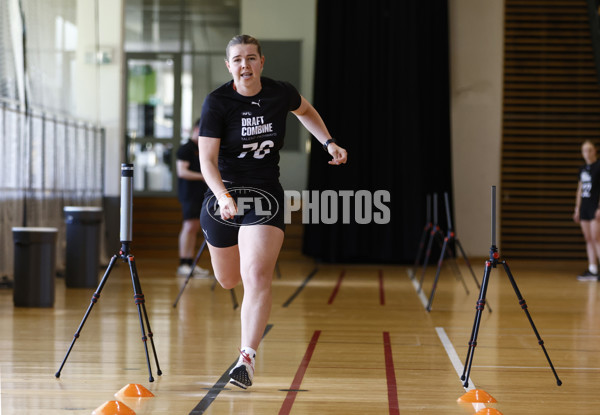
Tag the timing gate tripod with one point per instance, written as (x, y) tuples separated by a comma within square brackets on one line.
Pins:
[(435, 231), (426, 229), (451, 237), (492, 263), (125, 236)]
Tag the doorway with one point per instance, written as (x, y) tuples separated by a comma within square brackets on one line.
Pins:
[(153, 120)]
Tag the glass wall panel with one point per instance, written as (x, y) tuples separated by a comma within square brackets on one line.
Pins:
[(210, 24), (153, 25), (150, 98), (180, 25)]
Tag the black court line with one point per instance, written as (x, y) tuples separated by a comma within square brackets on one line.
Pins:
[(219, 386), (301, 287)]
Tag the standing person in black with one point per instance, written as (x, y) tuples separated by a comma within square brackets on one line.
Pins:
[(241, 132), (587, 208), (190, 188)]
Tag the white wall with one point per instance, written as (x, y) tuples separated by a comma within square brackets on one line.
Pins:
[(287, 20), (476, 61)]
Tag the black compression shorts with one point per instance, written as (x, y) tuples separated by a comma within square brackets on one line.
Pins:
[(257, 205), (191, 209), (587, 210)]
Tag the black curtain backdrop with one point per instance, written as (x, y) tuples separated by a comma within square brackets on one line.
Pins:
[(382, 87)]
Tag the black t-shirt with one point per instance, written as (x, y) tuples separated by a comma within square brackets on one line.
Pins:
[(190, 190), (251, 129), (589, 175)]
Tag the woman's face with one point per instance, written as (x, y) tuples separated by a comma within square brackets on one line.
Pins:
[(245, 65), (588, 151)]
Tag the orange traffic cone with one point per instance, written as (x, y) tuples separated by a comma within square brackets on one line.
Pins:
[(135, 390), (477, 395), (488, 411), (113, 408)]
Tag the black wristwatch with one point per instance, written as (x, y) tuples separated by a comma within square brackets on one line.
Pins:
[(326, 143)]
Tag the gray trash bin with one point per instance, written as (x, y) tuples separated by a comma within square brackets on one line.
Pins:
[(83, 246), (34, 266)]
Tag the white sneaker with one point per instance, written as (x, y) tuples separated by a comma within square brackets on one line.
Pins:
[(587, 276), (201, 272), (184, 271), (243, 373)]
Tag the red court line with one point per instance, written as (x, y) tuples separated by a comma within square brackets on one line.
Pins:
[(286, 407), (391, 375), (337, 287), (381, 290)]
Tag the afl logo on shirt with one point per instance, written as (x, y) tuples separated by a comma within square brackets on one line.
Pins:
[(586, 184)]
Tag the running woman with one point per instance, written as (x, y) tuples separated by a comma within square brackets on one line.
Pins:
[(587, 209), (242, 128)]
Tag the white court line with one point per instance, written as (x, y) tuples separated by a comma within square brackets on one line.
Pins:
[(420, 294), (536, 367), (458, 366)]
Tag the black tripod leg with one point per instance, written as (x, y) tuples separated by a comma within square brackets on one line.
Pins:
[(93, 301), (473, 341), (420, 250), (458, 275), (150, 334), (523, 305), (277, 270), (426, 260), (462, 251), (426, 229), (197, 258), (191, 273), (437, 274), (234, 299), (141, 307)]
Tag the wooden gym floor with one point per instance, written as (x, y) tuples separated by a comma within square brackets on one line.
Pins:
[(341, 339)]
